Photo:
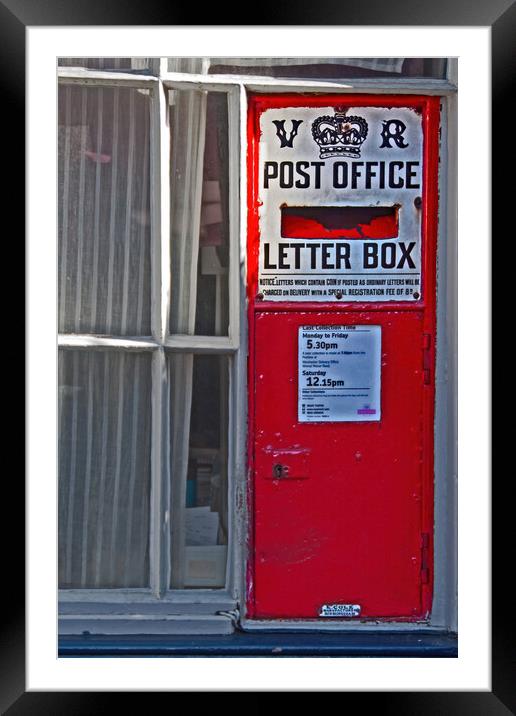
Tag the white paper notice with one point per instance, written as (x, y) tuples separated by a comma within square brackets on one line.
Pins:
[(339, 373), (201, 526)]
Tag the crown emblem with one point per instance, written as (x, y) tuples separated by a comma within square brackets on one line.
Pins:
[(339, 136)]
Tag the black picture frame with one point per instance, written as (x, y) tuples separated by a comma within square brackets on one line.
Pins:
[(15, 17)]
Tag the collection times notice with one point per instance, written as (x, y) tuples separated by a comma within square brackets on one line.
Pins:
[(339, 376)]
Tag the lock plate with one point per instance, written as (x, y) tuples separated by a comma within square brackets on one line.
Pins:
[(285, 464)]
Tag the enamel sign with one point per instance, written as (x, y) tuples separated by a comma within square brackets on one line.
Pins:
[(340, 204)]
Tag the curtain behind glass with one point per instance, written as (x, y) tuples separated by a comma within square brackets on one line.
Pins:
[(330, 67), (147, 65), (188, 126), (199, 213), (199, 501), (104, 469), (104, 210)]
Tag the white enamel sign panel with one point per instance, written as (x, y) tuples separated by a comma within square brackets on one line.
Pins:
[(339, 373), (339, 204)]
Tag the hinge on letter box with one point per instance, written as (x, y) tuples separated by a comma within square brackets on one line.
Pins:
[(425, 570), (427, 342)]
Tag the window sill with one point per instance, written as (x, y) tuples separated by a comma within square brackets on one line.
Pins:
[(142, 625), (131, 602)]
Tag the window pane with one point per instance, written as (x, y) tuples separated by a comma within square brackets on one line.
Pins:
[(200, 213), (199, 395), (313, 67), (330, 67), (104, 210), (143, 65), (193, 65), (104, 468)]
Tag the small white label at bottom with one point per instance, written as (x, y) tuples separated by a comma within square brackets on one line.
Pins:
[(340, 610)]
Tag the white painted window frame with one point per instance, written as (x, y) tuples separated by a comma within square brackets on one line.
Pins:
[(158, 609)]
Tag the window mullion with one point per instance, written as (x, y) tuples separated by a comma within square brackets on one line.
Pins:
[(160, 221), (164, 193), (237, 413), (94, 342), (160, 477), (84, 76), (237, 117), (160, 213)]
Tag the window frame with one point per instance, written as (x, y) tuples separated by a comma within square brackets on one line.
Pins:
[(163, 610), (161, 344)]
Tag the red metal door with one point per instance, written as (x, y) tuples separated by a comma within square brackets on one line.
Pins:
[(341, 509), (345, 526)]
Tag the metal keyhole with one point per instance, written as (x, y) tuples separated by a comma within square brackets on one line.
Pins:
[(279, 470)]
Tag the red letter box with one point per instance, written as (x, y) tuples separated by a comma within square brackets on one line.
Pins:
[(341, 289)]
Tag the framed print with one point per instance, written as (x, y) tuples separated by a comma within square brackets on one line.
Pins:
[(161, 333)]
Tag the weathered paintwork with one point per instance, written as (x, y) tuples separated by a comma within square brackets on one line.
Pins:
[(352, 520)]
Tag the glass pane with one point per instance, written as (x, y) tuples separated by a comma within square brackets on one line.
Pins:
[(199, 449), (330, 67), (104, 469), (104, 210), (200, 213), (142, 65), (193, 65)]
